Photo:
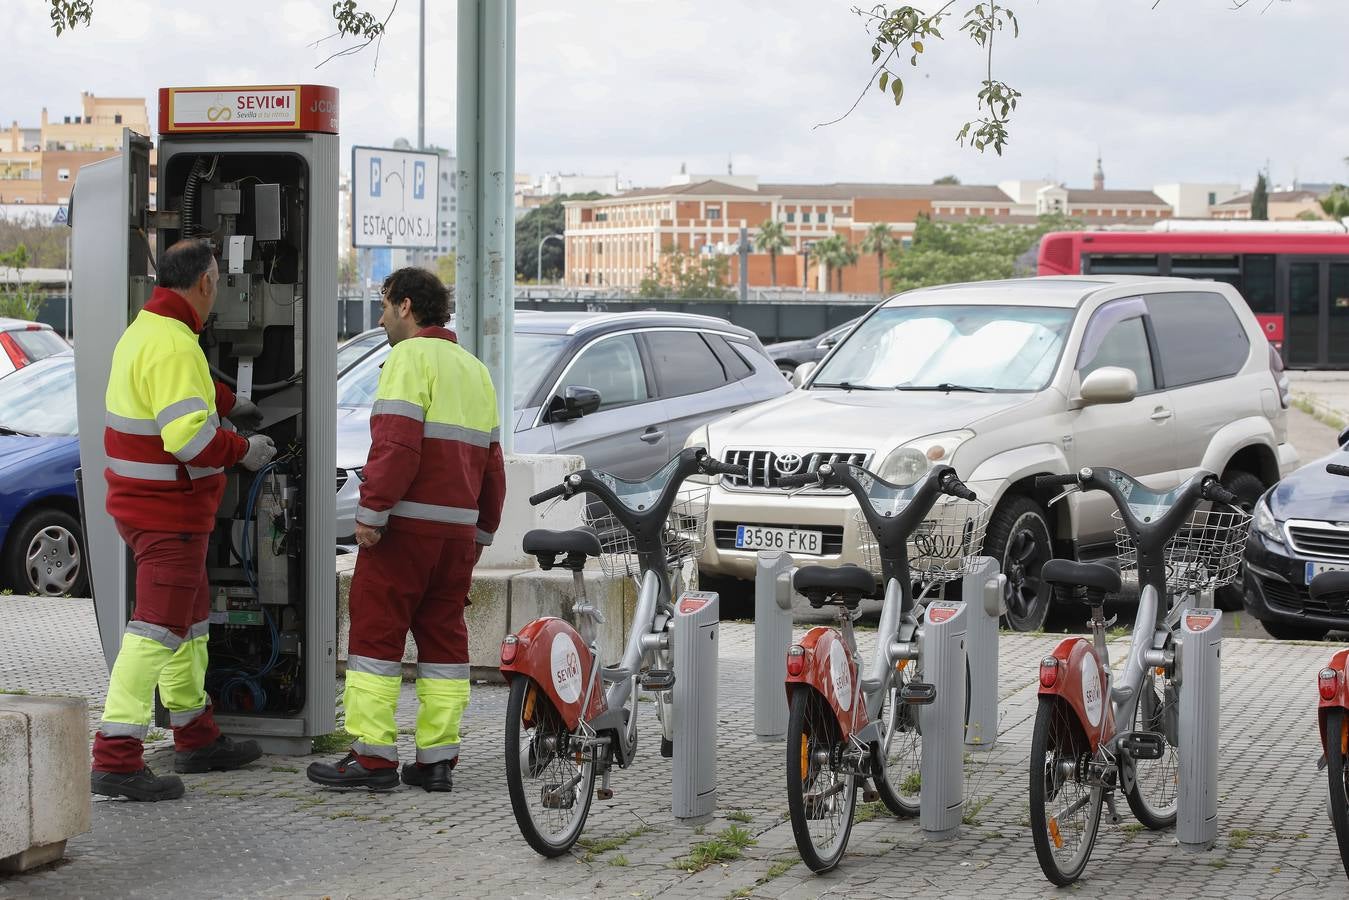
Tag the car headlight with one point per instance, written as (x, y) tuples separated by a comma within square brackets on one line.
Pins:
[(1264, 523), (910, 462)]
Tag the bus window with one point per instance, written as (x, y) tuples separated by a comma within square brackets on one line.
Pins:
[(1121, 265), (1257, 281)]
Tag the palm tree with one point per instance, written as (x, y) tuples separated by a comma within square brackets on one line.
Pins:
[(879, 241), (836, 253), (772, 237)]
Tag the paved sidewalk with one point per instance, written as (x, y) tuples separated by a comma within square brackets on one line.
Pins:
[(1325, 393), (266, 832)]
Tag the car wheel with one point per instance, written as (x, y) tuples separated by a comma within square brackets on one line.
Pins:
[(1285, 631), (45, 555), (1020, 540), (1248, 489)]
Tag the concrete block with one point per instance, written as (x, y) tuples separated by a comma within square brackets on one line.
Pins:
[(538, 593), (526, 475), (55, 776)]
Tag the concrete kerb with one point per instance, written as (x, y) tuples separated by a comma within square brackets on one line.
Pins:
[(44, 778)]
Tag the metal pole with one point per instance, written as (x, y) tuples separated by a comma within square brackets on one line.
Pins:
[(467, 140), (421, 80), (743, 250), (538, 274), (68, 301)]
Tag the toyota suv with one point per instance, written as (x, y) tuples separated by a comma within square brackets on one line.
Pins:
[(1007, 381)]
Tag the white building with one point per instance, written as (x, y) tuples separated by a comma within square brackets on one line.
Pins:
[(1195, 200)]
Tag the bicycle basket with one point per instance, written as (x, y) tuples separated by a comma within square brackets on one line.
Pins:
[(943, 547), (1205, 553), (682, 537)]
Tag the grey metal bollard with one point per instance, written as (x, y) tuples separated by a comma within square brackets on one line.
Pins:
[(982, 590), (941, 650), (772, 636), (1199, 670), (694, 646)]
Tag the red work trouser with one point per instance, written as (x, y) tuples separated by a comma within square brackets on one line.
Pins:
[(172, 594), (405, 582)]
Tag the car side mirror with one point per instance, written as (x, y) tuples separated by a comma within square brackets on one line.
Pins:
[(802, 373), (828, 342), (576, 401), (1109, 384)]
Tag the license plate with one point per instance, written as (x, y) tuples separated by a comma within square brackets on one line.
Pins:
[(1315, 568), (792, 540)]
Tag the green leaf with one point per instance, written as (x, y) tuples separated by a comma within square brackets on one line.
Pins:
[(885, 79), (918, 46), (897, 88)]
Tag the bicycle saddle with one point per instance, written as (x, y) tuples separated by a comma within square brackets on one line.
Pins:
[(548, 545), (1067, 573), (1328, 583), (825, 580)]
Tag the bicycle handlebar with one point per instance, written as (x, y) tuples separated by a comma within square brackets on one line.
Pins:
[(797, 481), (1337, 469), (1214, 490), (1045, 482), (544, 496)]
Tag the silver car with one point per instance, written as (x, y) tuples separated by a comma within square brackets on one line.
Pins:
[(622, 390)]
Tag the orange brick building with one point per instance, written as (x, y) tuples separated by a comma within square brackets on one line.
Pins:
[(614, 241)]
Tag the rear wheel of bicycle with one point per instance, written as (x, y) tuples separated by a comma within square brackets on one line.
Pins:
[(821, 797), (901, 750), (1156, 781), (1338, 776), (1065, 811), (551, 784)]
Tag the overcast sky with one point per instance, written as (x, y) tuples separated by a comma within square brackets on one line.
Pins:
[(1190, 91)]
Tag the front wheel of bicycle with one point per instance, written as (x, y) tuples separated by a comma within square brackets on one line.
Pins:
[(551, 784), (1065, 810), (898, 779), (1154, 797), (821, 797), (1338, 776)]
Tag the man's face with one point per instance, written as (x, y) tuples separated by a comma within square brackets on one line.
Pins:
[(396, 319), (208, 284)]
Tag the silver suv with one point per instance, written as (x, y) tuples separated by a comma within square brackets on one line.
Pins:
[(1007, 381)]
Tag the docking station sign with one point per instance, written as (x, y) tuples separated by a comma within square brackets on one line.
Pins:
[(395, 198)]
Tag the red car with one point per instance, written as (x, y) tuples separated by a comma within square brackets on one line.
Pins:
[(23, 342)]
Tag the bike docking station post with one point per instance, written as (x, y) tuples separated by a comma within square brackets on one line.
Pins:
[(1199, 671), (983, 592), (772, 636), (941, 651), (693, 644)]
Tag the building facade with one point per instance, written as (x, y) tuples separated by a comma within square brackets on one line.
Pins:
[(39, 164), (1284, 206)]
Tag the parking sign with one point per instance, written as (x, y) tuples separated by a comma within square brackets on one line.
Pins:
[(394, 199)]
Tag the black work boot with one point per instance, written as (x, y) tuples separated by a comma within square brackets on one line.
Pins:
[(143, 785), (436, 776), (221, 756), (348, 772)]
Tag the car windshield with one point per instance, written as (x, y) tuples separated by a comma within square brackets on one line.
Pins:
[(357, 347), (40, 398), (534, 356), (988, 348)]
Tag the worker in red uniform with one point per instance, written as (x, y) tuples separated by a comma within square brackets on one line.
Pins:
[(167, 450), (431, 499)]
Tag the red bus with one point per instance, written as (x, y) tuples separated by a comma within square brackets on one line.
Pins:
[(1296, 282)]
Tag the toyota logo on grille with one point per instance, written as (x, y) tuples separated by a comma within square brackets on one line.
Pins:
[(787, 463)]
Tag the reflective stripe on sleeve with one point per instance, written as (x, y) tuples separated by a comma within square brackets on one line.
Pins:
[(146, 471), (430, 512), (371, 666), (470, 436), (405, 408), (128, 425), (179, 409), (194, 472), (367, 516), (484, 537), (197, 443)]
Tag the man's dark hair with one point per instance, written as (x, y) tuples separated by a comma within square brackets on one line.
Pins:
[(182, 264), (431, 300)]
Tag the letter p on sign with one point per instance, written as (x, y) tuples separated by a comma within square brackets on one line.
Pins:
[(418, 180), (375, 180)]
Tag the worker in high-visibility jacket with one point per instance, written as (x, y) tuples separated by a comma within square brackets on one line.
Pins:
[(167, 450), (431, 499)]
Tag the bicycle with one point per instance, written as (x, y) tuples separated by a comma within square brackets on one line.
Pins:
[(569, 720), (1333, 710), (1079, 755), (841, 728)]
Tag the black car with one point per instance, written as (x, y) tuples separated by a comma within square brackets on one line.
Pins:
[(1300, 529), (790, 354)]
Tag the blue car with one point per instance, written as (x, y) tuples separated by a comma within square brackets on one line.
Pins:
[(41, 545)]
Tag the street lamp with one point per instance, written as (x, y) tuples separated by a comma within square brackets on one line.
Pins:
[(538, 256), (806, 247)]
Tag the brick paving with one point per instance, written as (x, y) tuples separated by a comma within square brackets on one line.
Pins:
[(266, 832)]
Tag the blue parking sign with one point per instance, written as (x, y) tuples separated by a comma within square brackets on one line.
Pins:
[(375, 180), (418, 180)]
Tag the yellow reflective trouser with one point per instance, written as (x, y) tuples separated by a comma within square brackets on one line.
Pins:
[(371, 699), (153, 655)]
